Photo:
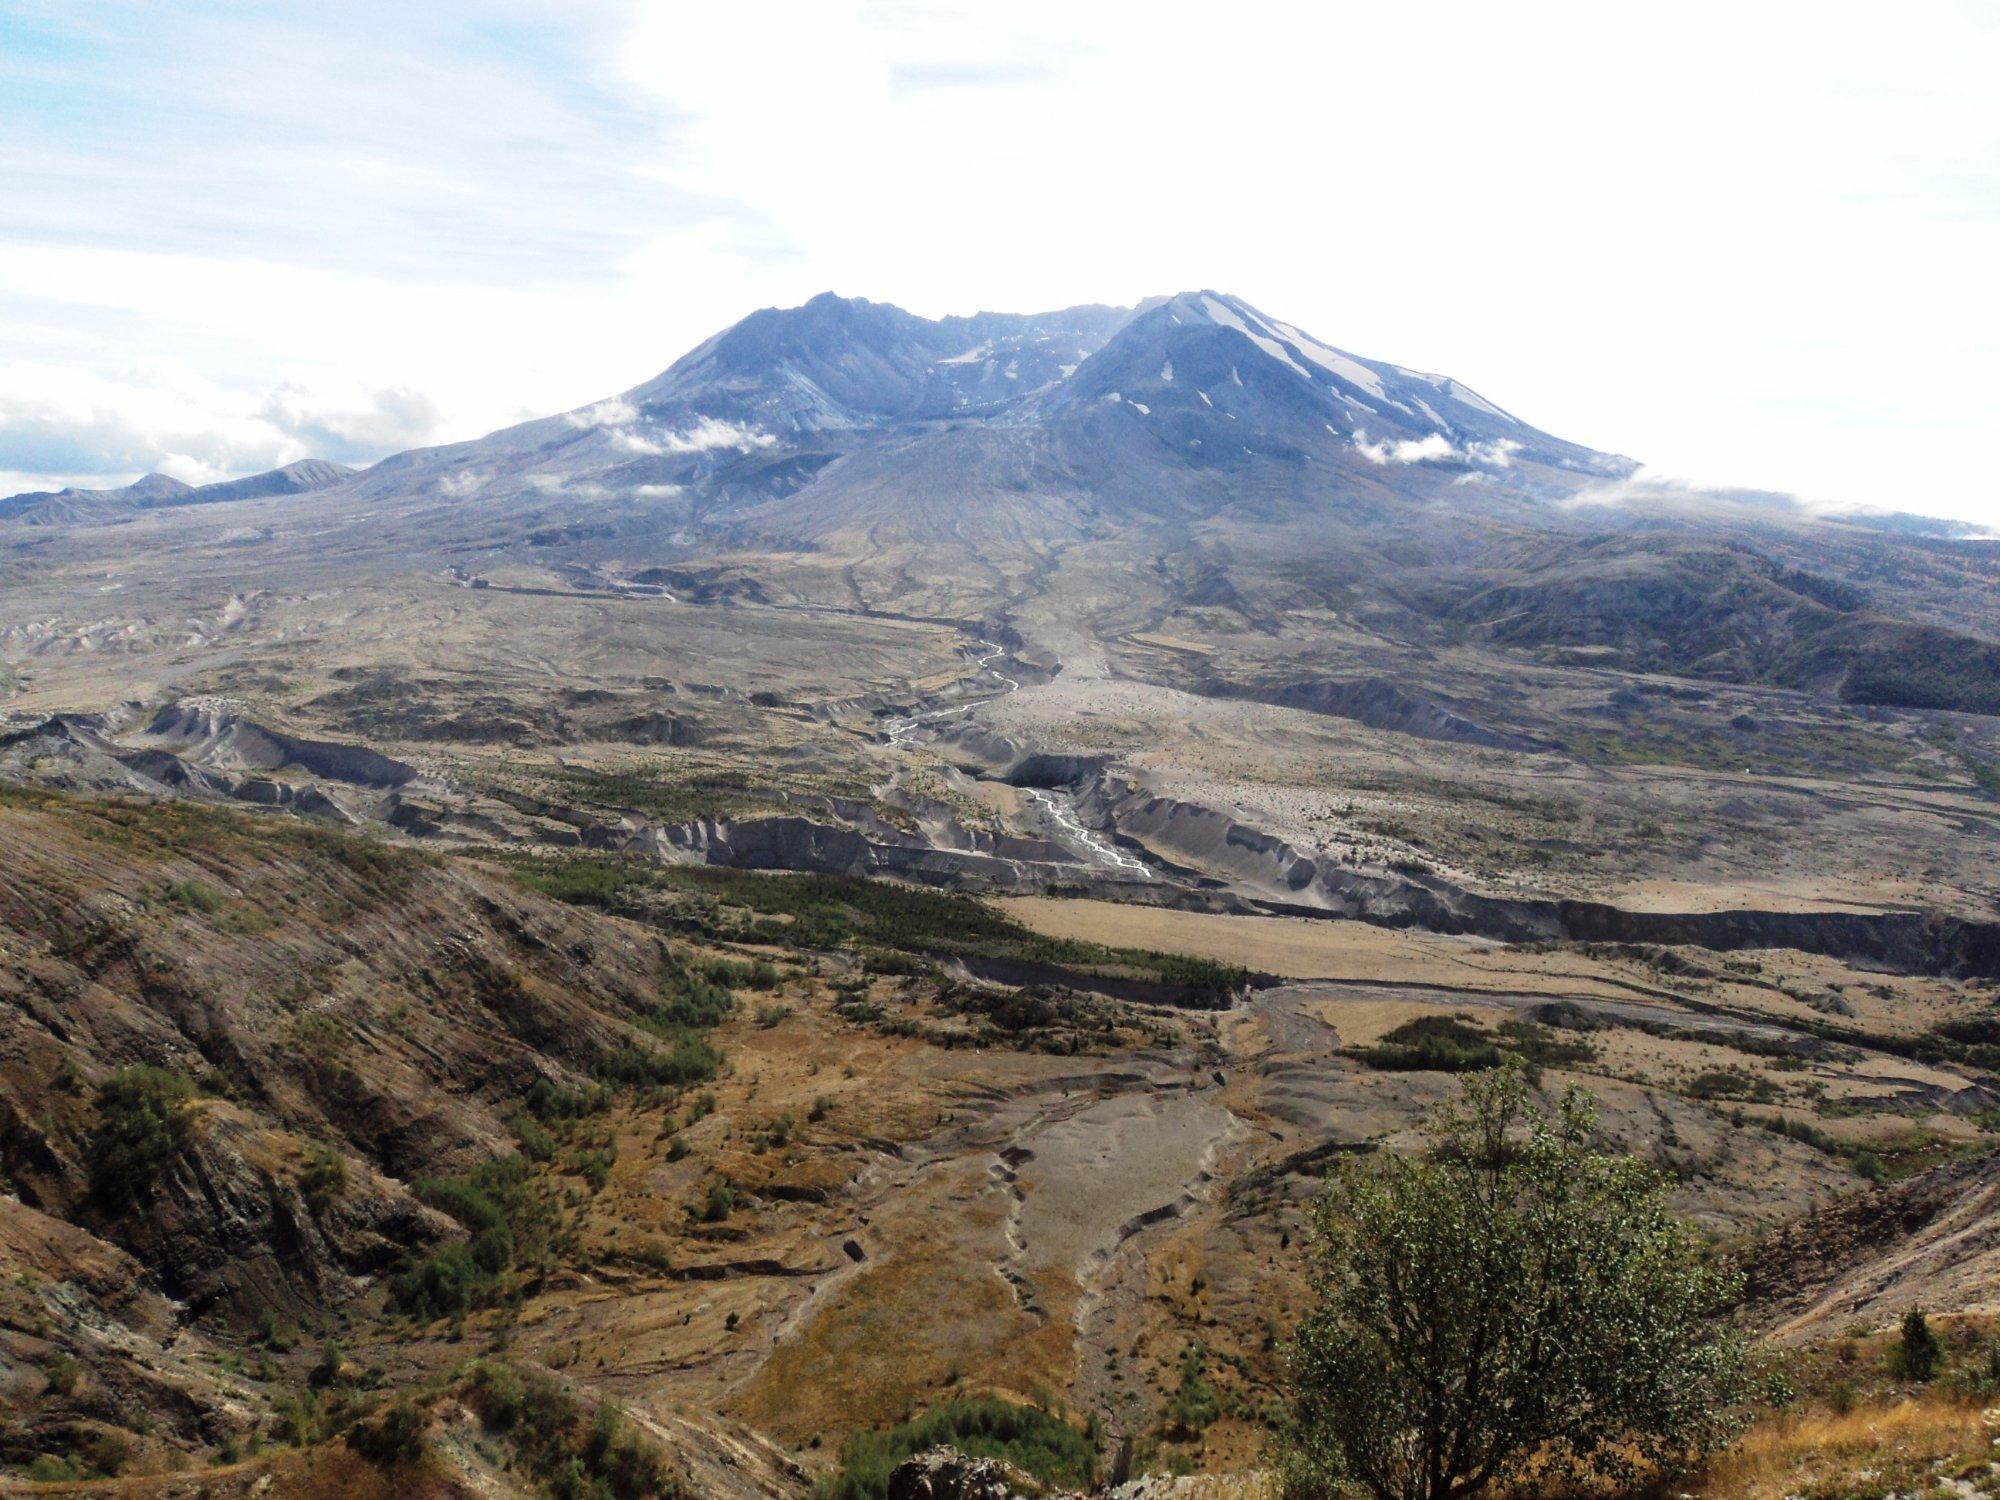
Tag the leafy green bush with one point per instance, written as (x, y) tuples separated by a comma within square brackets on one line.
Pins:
[(1034, 1441), (145, 1120), (62, 1376), (1511, 1305), (534, 1142), (323, 1180), (190, 896), (551, 1101), (720, 1202), (1194, 1406), (690, 1011), (1731, 1083), (512, 1225), (1864, 1161), (759, 974), (447, 1283), (585, 882)]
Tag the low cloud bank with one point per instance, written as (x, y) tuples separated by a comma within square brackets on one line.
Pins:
[(60, 425), (1436, 448)]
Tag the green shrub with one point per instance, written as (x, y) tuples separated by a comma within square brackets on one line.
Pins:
[(1731, 1083), (1194, 1406), (758, 975), (399, 1435), (601, 1460), (535, 1143), (1918, 1355), (691, 1059), (191, 896), (323, 1180), (548, 1101), (720, 1203), (145, 1120), (1431, 1044), (508, 1211), (62, 1376), (689, 1001), (440, 1286), (332, 1361), (104, 1451)]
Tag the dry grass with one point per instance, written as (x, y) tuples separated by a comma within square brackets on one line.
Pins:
[(1906, 1447), (1924, 1445), (332, 1471)]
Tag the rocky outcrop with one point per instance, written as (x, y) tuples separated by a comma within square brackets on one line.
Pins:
[(211, 734), (947, 1474), (793, 843)]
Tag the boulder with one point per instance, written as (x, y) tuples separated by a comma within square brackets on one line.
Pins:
[(947, 1474)]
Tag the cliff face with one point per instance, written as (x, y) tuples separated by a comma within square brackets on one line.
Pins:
[(226, 1045)]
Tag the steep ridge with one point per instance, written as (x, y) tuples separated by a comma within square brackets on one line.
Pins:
[(1931, 1241), (349, 1018)]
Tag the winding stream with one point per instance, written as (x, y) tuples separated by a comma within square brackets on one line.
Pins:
[(1098, 849), (901, 731), (1105, 852)]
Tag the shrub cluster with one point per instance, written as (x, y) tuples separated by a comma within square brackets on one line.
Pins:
[(145, 1119), (601, 1458)]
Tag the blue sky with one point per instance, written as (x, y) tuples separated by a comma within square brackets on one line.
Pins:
[(1746, 243)]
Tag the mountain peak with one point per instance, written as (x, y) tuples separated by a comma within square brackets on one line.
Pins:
[(149, 485), (1211, 359), (835, 362)]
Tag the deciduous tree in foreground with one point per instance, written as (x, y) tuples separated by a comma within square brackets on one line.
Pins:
[(1511, 1306)]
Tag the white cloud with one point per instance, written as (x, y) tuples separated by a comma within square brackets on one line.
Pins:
[(613, 411), (1435, 447), (1498, 454), (1406, 451), (464, 482), (632, 442), (709, 434), (160, 414)]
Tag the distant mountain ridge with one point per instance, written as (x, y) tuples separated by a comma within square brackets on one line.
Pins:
[(1255, 472), (760, 408), (156, 491), (774, 419)]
